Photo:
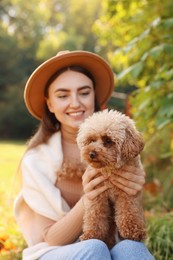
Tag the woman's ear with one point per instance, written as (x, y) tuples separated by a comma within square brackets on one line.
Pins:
[(133, 143)]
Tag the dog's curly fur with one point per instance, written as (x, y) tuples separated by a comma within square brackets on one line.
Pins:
[(109, 140)]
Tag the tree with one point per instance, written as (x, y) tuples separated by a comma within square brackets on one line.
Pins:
[(137, 35), (18, 44), (69, 27), (31, 32)]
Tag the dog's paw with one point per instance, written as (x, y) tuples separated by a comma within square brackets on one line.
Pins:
[(86, 236), (92, 235), (134, 231), (136, 235)]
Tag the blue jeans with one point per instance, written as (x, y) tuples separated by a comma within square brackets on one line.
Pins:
[(94, 249)]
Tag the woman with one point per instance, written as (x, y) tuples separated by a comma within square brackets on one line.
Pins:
[(61, 93)]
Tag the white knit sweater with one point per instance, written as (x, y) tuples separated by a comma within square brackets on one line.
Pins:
[(39, 167)]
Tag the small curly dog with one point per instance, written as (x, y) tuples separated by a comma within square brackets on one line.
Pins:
[(109, 140)]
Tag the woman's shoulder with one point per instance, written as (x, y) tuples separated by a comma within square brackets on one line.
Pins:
[(45, 159), (50, 150)]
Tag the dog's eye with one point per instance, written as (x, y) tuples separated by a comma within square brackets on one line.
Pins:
[(107, 140)]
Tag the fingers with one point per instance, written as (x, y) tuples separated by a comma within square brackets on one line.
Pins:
[(135, 170), (93, 185), (89, 174), (129, 187), (94, 193), (129, 191), (132, 174), (131, 180)]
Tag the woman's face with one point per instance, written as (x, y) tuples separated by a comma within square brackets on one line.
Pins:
[(71, 98)]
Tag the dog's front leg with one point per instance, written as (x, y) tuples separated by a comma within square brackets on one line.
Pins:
[(129, 217), (96, 219)]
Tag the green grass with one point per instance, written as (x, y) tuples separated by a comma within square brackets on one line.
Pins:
[(11, 241), (160, 235)]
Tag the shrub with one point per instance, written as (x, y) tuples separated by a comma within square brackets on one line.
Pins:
[(160, 235)]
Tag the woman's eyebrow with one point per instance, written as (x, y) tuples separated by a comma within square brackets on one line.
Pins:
[(62, 89), (68, 90), (85, 87)]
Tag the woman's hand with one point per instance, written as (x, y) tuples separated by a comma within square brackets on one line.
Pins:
[(131, 180), (90, 182)]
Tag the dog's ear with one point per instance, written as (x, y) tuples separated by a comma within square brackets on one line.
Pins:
[(82, 139), (133, 143)]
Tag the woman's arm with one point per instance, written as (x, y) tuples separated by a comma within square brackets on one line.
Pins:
[(66, 230)]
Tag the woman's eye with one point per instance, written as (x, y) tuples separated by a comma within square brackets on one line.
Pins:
[(62, 96), (84, 93)]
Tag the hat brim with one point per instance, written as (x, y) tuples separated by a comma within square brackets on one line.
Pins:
[(98, 67)]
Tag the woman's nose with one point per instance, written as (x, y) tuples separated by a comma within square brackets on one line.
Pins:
[(74, 101)]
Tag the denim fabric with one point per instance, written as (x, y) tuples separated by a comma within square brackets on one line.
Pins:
[(94, 249)]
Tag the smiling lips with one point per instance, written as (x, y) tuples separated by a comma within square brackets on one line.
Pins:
[(76, 114)]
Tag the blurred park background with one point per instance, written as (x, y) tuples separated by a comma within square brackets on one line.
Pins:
[(136, 37)]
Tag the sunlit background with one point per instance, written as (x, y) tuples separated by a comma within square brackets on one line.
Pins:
[(136, 38)]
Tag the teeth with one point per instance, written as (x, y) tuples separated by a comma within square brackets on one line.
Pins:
[(75, 114)]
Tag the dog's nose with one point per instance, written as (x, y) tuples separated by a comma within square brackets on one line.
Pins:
[(92, 154)]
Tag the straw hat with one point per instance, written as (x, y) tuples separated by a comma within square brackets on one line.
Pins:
[(98, 67)]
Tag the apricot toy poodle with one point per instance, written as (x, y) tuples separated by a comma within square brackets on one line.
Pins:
[(109, 140)]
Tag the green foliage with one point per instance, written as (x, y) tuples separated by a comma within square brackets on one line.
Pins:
[(15, 120), (160, 236), (141, 51), (31, 32), (70, 27), (137, 37), (142, 45)]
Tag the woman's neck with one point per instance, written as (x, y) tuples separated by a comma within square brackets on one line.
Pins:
[(70, 148), (69, 136)]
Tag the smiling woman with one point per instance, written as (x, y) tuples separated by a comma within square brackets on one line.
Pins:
[(62, 92), (71, 99)]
